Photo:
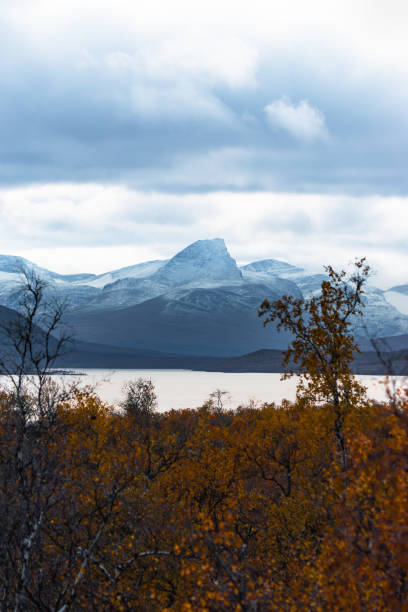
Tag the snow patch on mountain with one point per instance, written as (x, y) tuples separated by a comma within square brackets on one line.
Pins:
[(275, 285), (141, 270), (126, 292), (218, 299), (273, 267), (380, 317), (13, 264)]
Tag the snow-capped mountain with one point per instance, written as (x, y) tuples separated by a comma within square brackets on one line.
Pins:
[(381, 317), (198, 301), (60, 286), (272, 267), (15, 265), (384, 314), (203, 264), (202, 261), (141, 270)]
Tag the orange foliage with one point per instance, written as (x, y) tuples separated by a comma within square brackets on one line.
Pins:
[(301, 506), (205, 510)]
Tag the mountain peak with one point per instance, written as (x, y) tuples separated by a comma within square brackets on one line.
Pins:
[(274, 267), (202, 260), (14, 264)]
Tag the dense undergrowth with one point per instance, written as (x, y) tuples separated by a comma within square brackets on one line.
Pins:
[(204, 509)]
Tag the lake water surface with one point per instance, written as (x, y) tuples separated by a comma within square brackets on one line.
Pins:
[(189, 389)]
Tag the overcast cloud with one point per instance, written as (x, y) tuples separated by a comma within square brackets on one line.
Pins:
[(89, 94), (127, 131), (301, 121)]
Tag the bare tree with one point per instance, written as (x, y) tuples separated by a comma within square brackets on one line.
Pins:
[(31, 341), (141, 398), (217, 398)]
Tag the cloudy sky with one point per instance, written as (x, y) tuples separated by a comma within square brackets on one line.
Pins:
[(128, 130)]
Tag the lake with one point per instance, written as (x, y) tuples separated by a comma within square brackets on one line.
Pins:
[(189, 389)]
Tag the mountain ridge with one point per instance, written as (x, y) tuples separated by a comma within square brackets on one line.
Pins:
[(198, 301)]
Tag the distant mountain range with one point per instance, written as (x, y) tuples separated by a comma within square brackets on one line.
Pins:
[(199, 302)]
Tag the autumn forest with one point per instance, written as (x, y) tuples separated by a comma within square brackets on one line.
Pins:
[(298, 506)]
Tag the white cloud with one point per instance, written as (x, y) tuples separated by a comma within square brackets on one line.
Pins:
[(211, 58), (174, 77), (301, 120), (220, 39), (95, 228)]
